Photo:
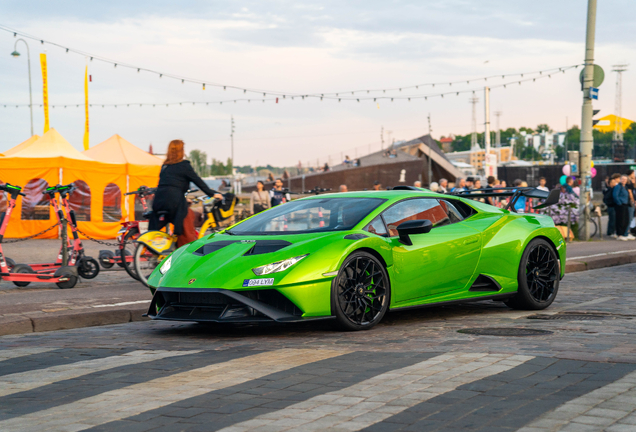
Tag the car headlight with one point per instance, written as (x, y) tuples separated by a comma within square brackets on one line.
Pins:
[(277, 266), (165, 266)]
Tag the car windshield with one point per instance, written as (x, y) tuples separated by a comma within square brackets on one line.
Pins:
[(307, 216)]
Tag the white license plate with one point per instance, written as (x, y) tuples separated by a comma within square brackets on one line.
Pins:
[(258, 282)]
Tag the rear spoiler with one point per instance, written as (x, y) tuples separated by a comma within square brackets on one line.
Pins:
[(551, 198)]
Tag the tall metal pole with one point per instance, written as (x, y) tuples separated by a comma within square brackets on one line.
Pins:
[(487, 119), (15, 53), (587, 140), (430, 166), (232, 143), (498, 133)]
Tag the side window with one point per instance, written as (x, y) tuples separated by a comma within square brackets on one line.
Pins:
[(80, 201), (453, 214), (415, 209), (376, 227)]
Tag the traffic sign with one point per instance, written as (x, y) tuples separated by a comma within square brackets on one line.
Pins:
[(599, 76), (593, 93)]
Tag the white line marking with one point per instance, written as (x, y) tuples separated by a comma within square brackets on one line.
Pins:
[(601, 254), (122, 303), (138, 398), (19, 382), (369, 402), (22, 352)]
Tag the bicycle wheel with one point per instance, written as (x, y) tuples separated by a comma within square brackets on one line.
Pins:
[(145, 261), (593, 227), (127, 253)]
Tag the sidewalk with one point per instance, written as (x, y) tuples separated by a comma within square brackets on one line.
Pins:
[(113, 297)]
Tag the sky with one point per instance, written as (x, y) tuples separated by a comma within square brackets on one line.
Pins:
[(302, 47)]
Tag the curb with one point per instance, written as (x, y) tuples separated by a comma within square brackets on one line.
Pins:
[(590, 263), (70, 320)]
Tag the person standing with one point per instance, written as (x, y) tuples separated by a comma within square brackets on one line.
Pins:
[(443, 184), (629, 185), (343, 188), (377, 185), (492, 181), (542, 185), (259, 200), (277, 195), (520, 203), (608, 199), (417, 184), (621, 201), (460, 185)]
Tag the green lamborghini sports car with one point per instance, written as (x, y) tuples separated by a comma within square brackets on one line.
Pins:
[(354, 256)]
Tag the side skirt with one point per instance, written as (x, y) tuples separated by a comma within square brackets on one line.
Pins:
[(455, 302)]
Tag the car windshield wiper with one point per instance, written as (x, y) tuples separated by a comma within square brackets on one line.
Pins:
[(229, 233)]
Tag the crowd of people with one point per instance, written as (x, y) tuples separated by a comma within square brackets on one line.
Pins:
[(618, 196)]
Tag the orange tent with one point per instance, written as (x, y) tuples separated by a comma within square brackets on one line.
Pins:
[(20, 146), (50, 160), (142, 168)]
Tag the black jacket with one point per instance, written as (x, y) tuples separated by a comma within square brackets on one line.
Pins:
[(174, 182)]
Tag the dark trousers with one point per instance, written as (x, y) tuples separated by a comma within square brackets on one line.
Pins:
[(611, 220), (622, 219)]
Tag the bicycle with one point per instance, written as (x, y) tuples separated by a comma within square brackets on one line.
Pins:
[(126, 237)]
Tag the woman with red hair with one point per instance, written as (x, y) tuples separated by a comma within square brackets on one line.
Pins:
[(174, 181)]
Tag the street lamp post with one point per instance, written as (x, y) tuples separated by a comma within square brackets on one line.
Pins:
[(15, 53)]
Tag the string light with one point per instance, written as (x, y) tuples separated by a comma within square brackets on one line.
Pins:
[(245, 89), (340, 99)]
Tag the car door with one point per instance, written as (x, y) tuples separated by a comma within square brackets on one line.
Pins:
[(439, 261)]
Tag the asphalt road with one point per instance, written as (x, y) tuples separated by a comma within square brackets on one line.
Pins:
[(415, 371)]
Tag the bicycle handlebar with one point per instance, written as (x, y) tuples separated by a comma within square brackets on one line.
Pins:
[(142, 191), (11, 189)]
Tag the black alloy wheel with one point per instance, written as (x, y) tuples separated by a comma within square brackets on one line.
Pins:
[(361, 292), (539, 275)]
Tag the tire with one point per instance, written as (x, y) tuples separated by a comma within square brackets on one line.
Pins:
[(105, 257), (538, 277), (70, 283), (129, 251), (22, 268), (361, 293), (10, 263), (145, 261), (88, 267)]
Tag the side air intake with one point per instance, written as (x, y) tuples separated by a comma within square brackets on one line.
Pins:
[(485, 283)]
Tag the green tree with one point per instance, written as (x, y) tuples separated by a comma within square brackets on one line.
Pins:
[(543, 128), (199, 161)]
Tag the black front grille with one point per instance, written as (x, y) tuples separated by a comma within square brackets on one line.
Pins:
[(196, 299), (216, 305)]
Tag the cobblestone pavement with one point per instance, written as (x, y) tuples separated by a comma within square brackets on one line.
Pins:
[(413, 372)]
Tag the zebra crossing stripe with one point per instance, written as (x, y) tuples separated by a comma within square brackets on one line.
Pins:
[(8, 354), (610, 405), (376, 399), (138, 398), (23, 381)]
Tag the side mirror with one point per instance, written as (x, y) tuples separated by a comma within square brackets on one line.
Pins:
[(411, 227)]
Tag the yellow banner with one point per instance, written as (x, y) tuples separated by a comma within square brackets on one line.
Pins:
[(86, 108), (45, 91)]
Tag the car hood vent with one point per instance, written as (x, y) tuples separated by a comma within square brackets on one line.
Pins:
[(485, 283), (212, 247), (266, 246)]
